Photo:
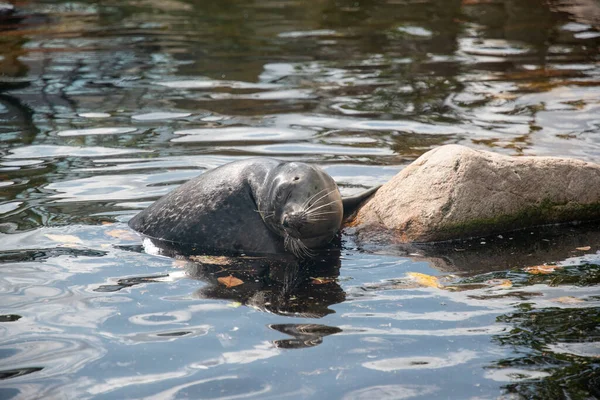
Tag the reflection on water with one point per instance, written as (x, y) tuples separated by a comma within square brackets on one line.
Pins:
[(304, 289), (106, 106)]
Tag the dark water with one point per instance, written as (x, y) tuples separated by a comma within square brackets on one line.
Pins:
[(104, 106)]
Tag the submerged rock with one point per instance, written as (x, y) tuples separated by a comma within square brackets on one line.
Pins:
[(456, 192)]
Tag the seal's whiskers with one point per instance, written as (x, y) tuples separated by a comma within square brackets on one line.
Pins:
[(296, 246), (304, 251), (323, 212), (307, 201), (322, 197), (312, 210), (319, 216), (269, 214)]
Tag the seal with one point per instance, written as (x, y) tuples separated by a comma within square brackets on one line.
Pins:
[(253, 206)]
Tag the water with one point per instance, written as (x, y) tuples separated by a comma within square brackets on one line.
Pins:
[(104, 107)]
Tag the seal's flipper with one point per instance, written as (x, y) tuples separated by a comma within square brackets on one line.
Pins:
[(352, 203)]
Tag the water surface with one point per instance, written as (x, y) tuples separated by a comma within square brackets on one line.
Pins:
[(105, 106)]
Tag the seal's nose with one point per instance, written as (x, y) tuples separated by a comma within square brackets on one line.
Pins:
[(292, 223)]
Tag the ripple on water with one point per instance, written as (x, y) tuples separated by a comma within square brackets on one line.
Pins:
[(584, 349), (156, 164), (227, 387), (258, 352), (315, 148), (313, 33), (493, 47), (414, 363), (290, 94), (514, 374), (587, 35), (96, 131), (316, 121), (214, 84), (458, 331), (213, 118), (361, 175), (575, 27), (415, 31), (21, 163), (10, 206), (116, 187), (427, 316), (159, 116), (94, 115), (138, 380), (238, 134), (49, 151), (163, 318), (167, 335), (59, 354), (391, 392)]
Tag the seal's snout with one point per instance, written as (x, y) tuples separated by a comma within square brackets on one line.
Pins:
[(292, 223)]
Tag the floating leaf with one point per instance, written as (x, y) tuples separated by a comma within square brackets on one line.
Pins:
[(122, 234), (322, 281), (234, 304), (568, 300), (584, 248), (66, 239), (540, 269), (216, 260), (425, 280), (230, 281)]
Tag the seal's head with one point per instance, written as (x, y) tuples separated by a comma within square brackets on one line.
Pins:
[(303, 205)]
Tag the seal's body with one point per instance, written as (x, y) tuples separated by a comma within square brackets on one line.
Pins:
[(253, 206)]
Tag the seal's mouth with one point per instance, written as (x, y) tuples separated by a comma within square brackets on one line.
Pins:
[(300, 237), (292, 241)]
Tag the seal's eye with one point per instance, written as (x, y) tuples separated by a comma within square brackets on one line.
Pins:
[(296, 178)]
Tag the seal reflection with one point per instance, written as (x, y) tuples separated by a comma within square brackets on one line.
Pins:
[(283, 286), (298, 288)]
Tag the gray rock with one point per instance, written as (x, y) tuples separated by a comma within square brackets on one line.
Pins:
[(456, 192)]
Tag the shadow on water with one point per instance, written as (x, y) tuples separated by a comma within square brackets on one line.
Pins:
[(21, 129), (528, 247)]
